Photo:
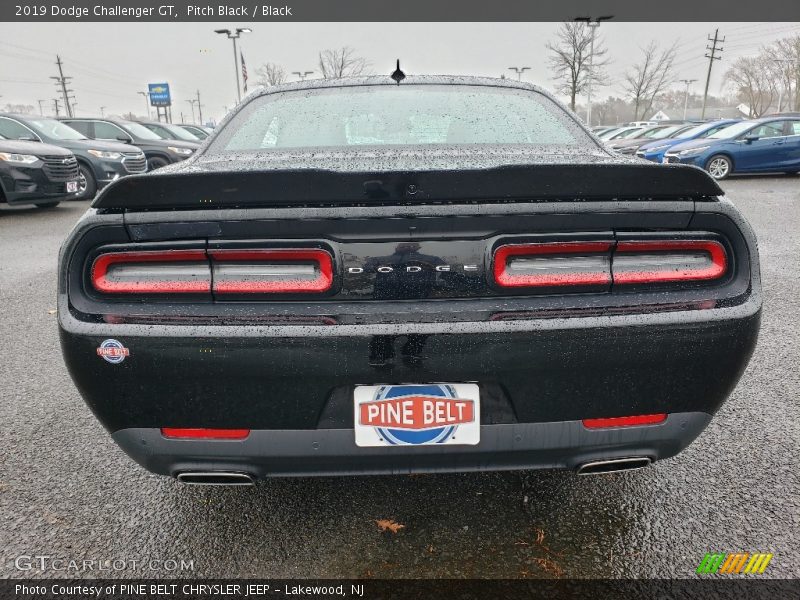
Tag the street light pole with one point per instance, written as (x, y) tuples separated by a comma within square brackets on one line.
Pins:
[(593, 24), (688, 82), (519, 71), (234, 35), (102, 111), (191, 102), (302, 74), (146, 102)]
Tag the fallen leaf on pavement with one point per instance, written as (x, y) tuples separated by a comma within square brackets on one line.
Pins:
[(389, 525)]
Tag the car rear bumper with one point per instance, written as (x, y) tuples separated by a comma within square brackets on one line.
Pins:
[(557, 445)]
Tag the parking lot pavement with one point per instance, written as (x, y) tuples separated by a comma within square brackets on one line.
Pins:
[(67, 491)]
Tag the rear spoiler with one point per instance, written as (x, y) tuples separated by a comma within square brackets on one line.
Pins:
[(567, 182)]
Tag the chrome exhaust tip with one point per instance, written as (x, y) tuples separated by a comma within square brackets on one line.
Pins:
[(215, 478), (613, 465)]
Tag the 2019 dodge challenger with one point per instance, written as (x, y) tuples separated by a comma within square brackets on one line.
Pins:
[(443, 274)]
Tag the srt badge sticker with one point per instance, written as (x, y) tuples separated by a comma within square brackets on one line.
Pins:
[(113, 351), (415, 415)]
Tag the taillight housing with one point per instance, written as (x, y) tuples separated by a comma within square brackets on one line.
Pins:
[(552, 264), (213, 271), (271, 271), (600, 264), (667, 261), (152, 272)]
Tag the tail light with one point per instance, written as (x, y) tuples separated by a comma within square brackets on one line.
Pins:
[(668, 260), (270, 271), (204, 434), (633, 421), (278, 271), (152, 272), (557, 264), (553, 264)]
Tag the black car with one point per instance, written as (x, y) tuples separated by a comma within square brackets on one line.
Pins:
[(629, 145), (169, 131), (450, 274), (34, 173), (159, 152), (99, 162)]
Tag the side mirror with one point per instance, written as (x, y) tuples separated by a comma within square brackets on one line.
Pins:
[(28, 138), (749, 139), (124, 139)]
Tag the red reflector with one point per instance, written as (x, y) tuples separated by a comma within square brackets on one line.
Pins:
[(553, 264), (152, 272), (278, 271), (668, 260), (205, 434), (625, 421)]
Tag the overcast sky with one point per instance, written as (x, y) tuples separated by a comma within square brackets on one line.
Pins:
[(111, 62)]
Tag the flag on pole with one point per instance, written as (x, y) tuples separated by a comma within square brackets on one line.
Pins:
[(244, 71)]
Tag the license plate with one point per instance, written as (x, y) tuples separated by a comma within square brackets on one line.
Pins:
[(72, 186), (417, 415)]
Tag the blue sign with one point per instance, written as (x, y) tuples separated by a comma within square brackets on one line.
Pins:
[(159, 94)]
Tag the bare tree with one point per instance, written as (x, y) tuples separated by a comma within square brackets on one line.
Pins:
[(341, 62), (787, 54), (270, 74), (21, 109), (649, 78), (569, 61), (754, 80)]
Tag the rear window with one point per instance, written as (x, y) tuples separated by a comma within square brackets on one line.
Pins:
[(398, 115)]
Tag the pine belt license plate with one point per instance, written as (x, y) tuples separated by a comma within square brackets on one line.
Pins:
[(72, 186), (417, 415)]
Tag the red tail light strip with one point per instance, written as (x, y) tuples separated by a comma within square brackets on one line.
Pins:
[(710, 261), (594, 271), (633, 421), (152, 278), (204, 434), (272, 271)]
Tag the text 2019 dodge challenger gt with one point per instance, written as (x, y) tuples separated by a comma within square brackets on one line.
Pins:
[(448, 274)]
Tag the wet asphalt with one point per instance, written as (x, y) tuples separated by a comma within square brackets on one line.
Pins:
[(68, 492)]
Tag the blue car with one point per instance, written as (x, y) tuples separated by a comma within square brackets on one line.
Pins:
[(758, 146), (655, 149)]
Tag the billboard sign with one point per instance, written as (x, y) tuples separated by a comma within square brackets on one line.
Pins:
[(159, 94)]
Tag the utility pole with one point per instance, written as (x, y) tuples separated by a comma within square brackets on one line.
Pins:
[(519, 71), (55, 106), (688, 82), (711, 58), (61, 81), (593, 25), (41, 112), (199, 108)]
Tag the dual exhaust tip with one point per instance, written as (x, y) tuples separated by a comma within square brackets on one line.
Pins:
[(245, 479), (614, 465)]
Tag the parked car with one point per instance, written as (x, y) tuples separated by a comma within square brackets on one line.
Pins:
[(619, 132), (35, 173), (158, 152), (759, 146), (405, 287), (629, 144), (99, 163), (199, 131), (168, 131), (655, 149)]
